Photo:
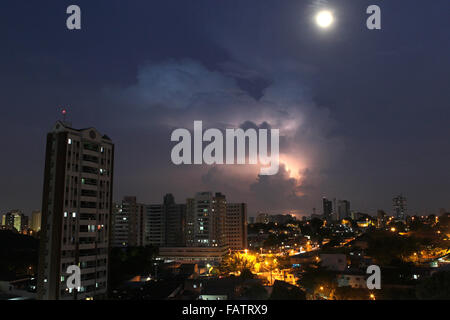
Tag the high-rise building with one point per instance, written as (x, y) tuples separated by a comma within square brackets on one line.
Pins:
[(128, 223), (262, 218), (175, 222), (190, 219), (281, 219), (236, 226), (155, 231), (208, 214), (36, 220), (76, 212), (15, 220), (134, 212), (399, 207), (166, 223), (343, 209), (327, 208), (119, 227)]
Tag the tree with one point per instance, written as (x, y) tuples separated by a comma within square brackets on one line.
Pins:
[(237, 263), (437, 287), (246, 274), (254, 291), (318, 280), (284, 291)]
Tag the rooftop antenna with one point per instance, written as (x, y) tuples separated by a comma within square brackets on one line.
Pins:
[(64, 112)]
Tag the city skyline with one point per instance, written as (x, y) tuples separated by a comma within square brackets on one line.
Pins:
[(364, 122)]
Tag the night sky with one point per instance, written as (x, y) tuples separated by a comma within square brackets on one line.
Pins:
[(364, 115)]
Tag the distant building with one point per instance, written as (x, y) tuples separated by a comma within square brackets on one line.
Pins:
[(119, 226), (128, 223), (155, 231), (262, 218), (327, 206), (165, 223), (352, 279), (76, 210), (281, 218), (333, 261), (236, 226), (207, 215), (381, 219), (36, 220), (205, 255), (135, 218), (15, 220), (399, 207), (175, 222), (343, 209)]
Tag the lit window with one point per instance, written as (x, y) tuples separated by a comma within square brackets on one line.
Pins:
[(74, 214), (69, 141), (65, 214)]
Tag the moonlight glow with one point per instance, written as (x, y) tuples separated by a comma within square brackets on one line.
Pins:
[(324, 19)]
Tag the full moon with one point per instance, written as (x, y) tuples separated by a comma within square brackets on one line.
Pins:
[(324, 19)]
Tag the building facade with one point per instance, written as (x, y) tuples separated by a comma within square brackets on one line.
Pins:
[(119, 227), (135, 214), (36, 220), (76, 212), (207, 220), (343, 209), (15, 220), (399, 207), (327, 208), (236, 226), (175, 222)]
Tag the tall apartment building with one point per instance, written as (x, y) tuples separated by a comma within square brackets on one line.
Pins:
[(399, 207), (15, 220), (175, 222), (166, 223), (136, 224), (327, 208), (190, 219), (206, 220), (155, 225), (343, 209), (128, 223), (36, 220), (236, 226), (119, 227), (262, 218), (76, 212)]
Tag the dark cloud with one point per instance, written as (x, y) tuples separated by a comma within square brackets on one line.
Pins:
[(363, 115)]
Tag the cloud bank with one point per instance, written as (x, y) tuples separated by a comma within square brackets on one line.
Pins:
[(174, 93)]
